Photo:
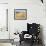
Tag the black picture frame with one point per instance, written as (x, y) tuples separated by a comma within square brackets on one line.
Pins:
[(20, 14)]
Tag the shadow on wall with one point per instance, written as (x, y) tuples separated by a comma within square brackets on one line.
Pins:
[(41, 34)]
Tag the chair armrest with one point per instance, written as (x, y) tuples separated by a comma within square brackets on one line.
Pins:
[(22, 35), (24, 32)]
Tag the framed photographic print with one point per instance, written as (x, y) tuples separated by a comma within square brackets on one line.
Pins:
[(20, 14)]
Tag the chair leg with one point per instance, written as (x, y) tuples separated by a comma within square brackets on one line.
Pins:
[(32, 42), (20, 42)]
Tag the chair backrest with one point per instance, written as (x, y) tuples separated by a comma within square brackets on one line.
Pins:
[(33, 28)]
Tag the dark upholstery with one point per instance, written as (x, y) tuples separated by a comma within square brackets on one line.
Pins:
[(32, 29)]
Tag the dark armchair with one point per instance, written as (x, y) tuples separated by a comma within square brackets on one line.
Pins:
[(33, 30)]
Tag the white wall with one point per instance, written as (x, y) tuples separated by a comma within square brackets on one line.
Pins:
[(3, 21), (35, 13), (3, 1), (3, 34)]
